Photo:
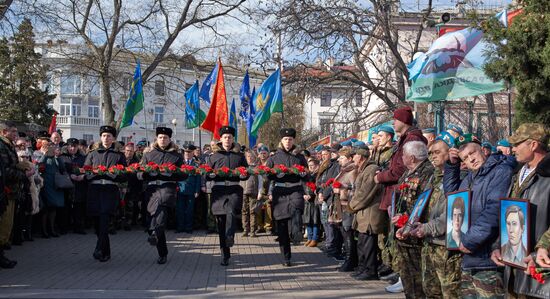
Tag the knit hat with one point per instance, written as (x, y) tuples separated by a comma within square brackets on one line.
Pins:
[(404, 115)]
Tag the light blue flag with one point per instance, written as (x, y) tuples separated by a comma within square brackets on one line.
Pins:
[(268, 101), (233, 118), (204, 93), (194, 116), (244, 96), (250, 120), (135, 100)]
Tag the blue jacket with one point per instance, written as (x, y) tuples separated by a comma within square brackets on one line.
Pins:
[(488, 185), (192, 184)]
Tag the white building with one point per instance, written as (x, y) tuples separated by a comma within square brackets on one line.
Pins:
[(80, 109)]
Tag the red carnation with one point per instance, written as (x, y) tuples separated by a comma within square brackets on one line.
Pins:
[(299, 168), (119, 167), (403, 186), (241, 171), (336, 185), (280, 168), (225, 169), (102, 168), (329, 182), (402, 220), (153, 165), (539, 277), (311, 186)]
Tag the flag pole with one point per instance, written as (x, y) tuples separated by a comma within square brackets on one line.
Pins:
[(145, 119), (197, 114)]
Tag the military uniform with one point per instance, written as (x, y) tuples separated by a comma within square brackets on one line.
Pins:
[(104, 191), (287, 196), (161, 191), (227, 194)]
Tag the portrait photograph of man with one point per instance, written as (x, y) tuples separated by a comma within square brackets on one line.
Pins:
[(458, 204), (514, 231)]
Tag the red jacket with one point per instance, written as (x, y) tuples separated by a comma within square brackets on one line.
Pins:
[(390, 176)]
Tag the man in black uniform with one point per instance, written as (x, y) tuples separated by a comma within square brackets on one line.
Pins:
[(227, 194), (161, 192), (287, 194), (103, 189)]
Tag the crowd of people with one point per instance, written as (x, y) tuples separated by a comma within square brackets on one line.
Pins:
[(358, 202)]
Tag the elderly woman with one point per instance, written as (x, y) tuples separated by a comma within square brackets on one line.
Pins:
[(52, 198), (31, 200)]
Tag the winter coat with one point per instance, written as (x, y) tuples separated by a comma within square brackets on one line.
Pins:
[(13, 176), (328, 170), (312, 209), (103, 199), (436, 227), (338, 211), (286, 199), (390, 176), (53, 197), (165, 193), (536, 188), (226, 199), (71, 163), (192, 184), (33, 185), (250, 186), (365, 201), (382, 156), (490, 183)]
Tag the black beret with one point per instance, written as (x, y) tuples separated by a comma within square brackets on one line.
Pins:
[(107, 129), (72, 141), (227, 130), (83, 142), (164, 131), (189, 148), (43, 134), (288, 132)]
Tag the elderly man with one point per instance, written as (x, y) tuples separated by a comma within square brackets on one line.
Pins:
[(57, 141), (161, 191), (408, 247), (530, 148), (454, 130), (488, 179), (504, 147), (440, 267)]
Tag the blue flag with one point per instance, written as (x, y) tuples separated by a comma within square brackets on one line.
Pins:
[(250, 120), (268, 101), (194, 116), (135, 99), (233, 118), (204, 94), (244, 96)]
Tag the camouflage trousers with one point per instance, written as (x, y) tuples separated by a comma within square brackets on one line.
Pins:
[(6, 222), (482, 284), (249, 213), (410, 270), (441, 272)]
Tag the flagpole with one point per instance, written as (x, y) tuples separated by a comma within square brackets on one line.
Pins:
[(198, 120), (145, 119)]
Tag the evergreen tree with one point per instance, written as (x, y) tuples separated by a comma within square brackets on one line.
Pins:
[(21, 98), (522, 57)]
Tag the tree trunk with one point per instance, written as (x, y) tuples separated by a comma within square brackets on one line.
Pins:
[(106, 100), (491, 118)]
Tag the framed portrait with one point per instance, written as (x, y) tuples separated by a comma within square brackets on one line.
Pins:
[(514, 231), (393, 198), (458, 218), (419, 206)]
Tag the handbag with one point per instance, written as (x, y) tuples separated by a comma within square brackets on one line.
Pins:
[(62, 180)]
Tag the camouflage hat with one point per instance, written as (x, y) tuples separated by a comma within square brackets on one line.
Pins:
[(465, 139), (535, 131)]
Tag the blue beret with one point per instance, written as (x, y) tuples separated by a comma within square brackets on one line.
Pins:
[(359, 143), (353, 140), (346, 143), (429, 130), (319, 148), (455, 128), (387, 129), (493, 149), (447, 138), (486, 145), (504, 142)]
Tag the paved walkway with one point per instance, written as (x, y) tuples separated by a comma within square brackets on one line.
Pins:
[(64, 268)]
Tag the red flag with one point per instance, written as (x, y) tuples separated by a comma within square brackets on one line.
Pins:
[(217, 115), (53, 124)]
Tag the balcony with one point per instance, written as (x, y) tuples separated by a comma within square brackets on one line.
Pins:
[(77, 121)]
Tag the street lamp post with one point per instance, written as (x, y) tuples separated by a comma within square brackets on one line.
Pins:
[(175, 123)]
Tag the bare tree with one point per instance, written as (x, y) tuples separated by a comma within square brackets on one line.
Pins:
[(111, 33), (4, 6), (363, 34)]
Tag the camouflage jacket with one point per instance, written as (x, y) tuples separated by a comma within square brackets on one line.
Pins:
[(544, 241), (13, 176)]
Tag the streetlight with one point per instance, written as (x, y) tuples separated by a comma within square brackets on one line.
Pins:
[(175, 123)]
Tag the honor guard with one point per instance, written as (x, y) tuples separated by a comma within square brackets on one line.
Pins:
[(287, 193), (106, 196), (227, 194), (161, 192)]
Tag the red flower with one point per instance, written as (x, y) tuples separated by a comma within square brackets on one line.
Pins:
[(336, 185), (88, 168), (329, 182), (225, 169), (280, 168), (539, 277), (123, 203), (299, 168), (102, 168), (262, 169), (153, 165), (119, 167), (403, 186), (402, 220), (311, 186), (187, 168), (241, 171)]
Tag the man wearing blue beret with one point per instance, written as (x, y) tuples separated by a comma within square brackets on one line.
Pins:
[(430, 134), (504, 146), (454, 130)]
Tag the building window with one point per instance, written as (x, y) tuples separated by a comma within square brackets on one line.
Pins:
[(94, 87), (324, 124), (358, 98), (70, 107), (70, 84), (93, 108), (326, 98), (88, 137), (159, 88), (47, 85), (159, 115)]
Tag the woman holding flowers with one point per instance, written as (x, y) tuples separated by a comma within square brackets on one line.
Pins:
[(287, 194), (103, 190)]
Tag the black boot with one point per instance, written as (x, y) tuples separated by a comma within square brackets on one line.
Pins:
[(351, 254), (5, 262), (226, 254)]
